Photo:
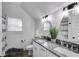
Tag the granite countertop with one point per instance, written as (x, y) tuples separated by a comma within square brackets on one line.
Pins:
[(56, 49), (50, 48)]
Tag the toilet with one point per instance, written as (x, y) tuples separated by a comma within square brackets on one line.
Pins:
[(30, 49)]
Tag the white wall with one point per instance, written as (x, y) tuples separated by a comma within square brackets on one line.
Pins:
[(0, 28), (14, 38), (56, 19)]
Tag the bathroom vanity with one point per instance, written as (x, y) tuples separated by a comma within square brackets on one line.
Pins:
[(68, 45), (43, 48)]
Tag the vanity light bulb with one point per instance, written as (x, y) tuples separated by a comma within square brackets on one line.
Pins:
[(49, 18), (65, 13), (77, 9), (43, 20)]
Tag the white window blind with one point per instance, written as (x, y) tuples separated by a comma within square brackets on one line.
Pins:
[(14, 24)]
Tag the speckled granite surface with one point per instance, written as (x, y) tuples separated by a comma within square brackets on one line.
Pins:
[(58, 50)]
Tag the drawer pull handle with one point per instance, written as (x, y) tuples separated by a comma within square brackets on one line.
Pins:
[(42, 49), (69, 23), (73, 37)]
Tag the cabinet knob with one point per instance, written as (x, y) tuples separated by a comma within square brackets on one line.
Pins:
[(73, 37), (35, 48), (69, 23), (42, 49)]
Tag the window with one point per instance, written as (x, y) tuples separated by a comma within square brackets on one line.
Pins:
[(14, 24), (46, 26), (47, 23)]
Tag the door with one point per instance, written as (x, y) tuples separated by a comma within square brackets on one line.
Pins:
[(74, 28)]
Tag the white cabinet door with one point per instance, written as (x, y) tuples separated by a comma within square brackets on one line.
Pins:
[(50, 54), (74, 28), (70, 29), (42, 52), (36, 49), (39, 51)]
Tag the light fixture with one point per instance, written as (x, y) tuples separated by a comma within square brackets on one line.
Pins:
[(72, 7), (76, 8), (43, 20), (65, 13), (49, 18)]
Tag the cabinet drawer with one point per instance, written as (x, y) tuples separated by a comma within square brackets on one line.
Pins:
[(50, 54), (42, 52)]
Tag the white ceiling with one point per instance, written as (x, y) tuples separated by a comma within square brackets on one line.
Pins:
[(37, 9), (14, 3)]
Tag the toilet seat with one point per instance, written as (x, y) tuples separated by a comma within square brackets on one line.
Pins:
[(29, 47)]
